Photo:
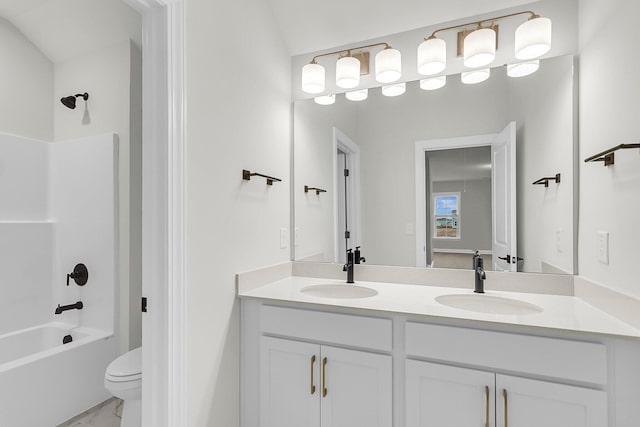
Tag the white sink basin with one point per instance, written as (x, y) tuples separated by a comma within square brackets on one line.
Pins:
[(488, 304), (345, 291)]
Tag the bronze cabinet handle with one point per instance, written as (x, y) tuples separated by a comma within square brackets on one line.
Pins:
[(506, 408), (313, 386), (486, 392), (324, 382)]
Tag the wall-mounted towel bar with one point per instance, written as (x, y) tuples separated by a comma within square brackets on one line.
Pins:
[(545, 181), (246, 175), (317, 190), (608, 156)]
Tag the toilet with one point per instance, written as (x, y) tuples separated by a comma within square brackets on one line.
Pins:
[(123, 378)]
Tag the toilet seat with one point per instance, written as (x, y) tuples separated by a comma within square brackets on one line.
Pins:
[(126, 368)]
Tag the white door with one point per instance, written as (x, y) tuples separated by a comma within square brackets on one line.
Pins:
[(356, 390), (289, 383), (529, 403), (446, 396), (503, 200)]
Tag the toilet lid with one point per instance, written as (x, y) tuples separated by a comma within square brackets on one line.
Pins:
[(127, 367)]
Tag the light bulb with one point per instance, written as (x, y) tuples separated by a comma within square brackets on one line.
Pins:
[(533, 38), (394, 90), (480, 48), (348, 72), (325, 99), (523, 69), (475, 76), (433, 83), (432, 56), (388, 66), (357, 95), (313, 78)]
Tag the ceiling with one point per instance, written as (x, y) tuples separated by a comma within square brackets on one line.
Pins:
[(460, 164), (64, 29), (311, 25)]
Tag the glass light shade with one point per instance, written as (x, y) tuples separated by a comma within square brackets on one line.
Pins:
[(475, 76), (394, 90), (432, 57), (313, 78), (533, 38), (325, 99), (357, 95), (523, 69), (388, 66), (480, 48), (433, 83), (348, 72)]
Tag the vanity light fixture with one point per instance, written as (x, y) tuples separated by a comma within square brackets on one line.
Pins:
[(357, 95), (348, 72), (478, 45), (396, 89), (475, 76), (523, 68), (325, 99), (388, 65), (533, 38), (433, 83), (480, 48), (353, 63)]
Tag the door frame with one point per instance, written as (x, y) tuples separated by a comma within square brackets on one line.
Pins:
[(344, 143), (163, 207), (421, 147)]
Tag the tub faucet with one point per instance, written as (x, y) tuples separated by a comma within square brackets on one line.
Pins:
[(480, 275), (348, 267), (76, 306)]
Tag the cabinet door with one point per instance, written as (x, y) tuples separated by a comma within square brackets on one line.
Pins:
[(356, 390), (446, 396), (289, 383), (530, 403)]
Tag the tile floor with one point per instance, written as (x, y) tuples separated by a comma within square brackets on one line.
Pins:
[(106, 414)]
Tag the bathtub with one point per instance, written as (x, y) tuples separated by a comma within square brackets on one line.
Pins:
[(44, 382)]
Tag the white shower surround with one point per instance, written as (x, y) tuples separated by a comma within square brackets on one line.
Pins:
[(41, 243)]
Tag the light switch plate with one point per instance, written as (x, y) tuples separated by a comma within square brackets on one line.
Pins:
[(283, 238), (559, 240), (296, 236), (603, 247)]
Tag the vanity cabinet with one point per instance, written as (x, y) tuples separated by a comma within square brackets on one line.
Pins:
[(309, 385), (441, 395), (321, 385)]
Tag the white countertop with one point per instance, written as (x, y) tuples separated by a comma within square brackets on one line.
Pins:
[(566, 313)]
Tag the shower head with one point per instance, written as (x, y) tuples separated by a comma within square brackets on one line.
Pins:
[(70, 101)]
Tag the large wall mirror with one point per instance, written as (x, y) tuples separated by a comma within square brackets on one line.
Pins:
[(436, 175)]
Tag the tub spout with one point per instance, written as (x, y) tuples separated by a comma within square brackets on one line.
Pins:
[(77, 306)]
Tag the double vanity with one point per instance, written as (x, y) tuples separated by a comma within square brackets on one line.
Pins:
[(319, 352)]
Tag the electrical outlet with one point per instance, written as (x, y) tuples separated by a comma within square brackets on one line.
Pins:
[(283, 238), (559, 240), (603, 247), (409, 228)]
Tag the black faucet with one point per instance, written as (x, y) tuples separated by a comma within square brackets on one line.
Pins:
[(478, 268), (348, 267), (76, 306), (357, 258)]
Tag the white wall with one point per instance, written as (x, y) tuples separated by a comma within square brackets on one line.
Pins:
[(114, 97), (609, 90), (313, 132), (475, 215), (26, 86), (238, 118), (84, 204), (546, 135)]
